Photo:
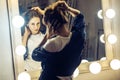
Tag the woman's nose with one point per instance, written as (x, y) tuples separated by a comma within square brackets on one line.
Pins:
[(36, 26)]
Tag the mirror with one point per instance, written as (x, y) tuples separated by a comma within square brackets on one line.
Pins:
[(14, 10), (94, 49)]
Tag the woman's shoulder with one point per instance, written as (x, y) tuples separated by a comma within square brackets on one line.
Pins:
[(50, 45), (56, 44)]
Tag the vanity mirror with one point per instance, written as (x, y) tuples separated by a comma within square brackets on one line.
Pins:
[(92, 23), (94, 49)]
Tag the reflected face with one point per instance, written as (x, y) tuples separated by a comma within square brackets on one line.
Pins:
[(34, 25)]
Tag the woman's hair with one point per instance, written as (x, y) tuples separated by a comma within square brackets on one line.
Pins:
[(28, 15), (56, 17)]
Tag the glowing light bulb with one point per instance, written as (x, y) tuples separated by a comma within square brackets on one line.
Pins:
[(76, 73), (112, 39), (100, 14), (18, 21), (115, 64), (24, 76), (103, 58), (102, 38), (84, 61), (95, 68), (20, 50), (110, 13)]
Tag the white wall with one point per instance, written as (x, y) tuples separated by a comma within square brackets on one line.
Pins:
[(6, 67)]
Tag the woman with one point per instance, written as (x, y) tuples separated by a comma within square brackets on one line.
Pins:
[(60, 50), (31, 37)]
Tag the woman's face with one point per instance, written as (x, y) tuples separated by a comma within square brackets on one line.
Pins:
[(34, 25)]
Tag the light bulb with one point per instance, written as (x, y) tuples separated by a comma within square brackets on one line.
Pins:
[(95, 68), (20, 50), (103, 58), (112, 39), (84, 61), (110, 13), (102, 38), (18, 21), (24, 76), (76, 73), (115, 64), (100, 14)]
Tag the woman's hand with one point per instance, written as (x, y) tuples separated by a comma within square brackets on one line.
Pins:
[(66, 7), (27, 32), (61, 4), (39, 10), (26, 36)]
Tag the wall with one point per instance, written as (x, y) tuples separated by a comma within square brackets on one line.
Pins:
[(6, 67)]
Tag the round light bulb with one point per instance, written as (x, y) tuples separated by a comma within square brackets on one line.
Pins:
[(115, 64), (76, 73), (18, 21), (84, 61), (95, 68), (103, 58), (24, 76), (20, 50), (112, 39), (110, 13), (102, 38), (100, 14)]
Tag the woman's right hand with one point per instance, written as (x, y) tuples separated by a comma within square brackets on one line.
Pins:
[(26, 35), (27, 32)]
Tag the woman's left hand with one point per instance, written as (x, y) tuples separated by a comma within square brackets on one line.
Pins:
[(38, 9)]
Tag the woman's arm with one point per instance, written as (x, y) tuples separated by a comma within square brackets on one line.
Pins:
[(73, 12), (25, 36), (39, 54)]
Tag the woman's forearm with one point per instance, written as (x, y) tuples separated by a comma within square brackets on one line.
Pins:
[(73, 12), (24, 40)]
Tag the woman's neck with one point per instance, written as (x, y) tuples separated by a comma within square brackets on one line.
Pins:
[(63, 31)]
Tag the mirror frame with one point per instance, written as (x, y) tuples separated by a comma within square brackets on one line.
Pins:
[(84, 67)]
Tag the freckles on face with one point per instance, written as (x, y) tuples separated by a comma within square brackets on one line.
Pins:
[(34, 25)]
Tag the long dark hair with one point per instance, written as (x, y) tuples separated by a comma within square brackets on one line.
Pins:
[(27, 17)]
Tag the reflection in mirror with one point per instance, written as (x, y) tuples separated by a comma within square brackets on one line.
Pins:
[(32, 31), (31, 37), (94, 49)]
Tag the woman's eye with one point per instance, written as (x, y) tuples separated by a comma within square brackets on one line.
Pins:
[(38, 23), (32, 24)]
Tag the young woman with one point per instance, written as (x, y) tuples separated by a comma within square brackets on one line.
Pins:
[(60, 50), (31, 37)]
